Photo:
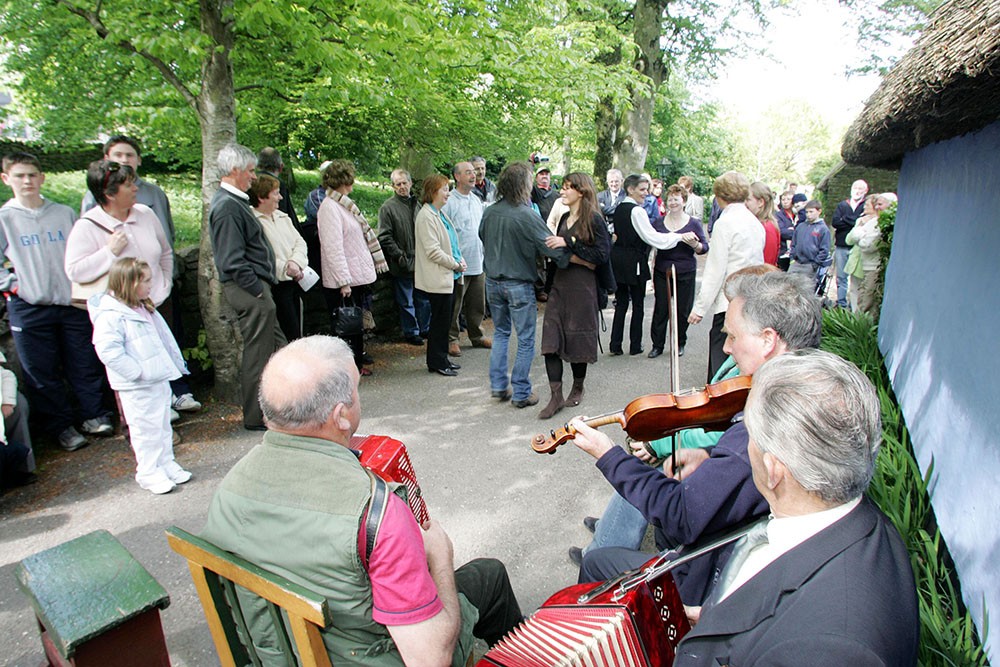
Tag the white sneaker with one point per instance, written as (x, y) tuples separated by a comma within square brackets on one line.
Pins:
[(174, 415), (176, 473), (160, 486), (185, 403)]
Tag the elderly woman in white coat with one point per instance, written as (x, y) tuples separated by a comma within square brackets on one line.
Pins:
[(350, 253), (290, 254), (439, 264)]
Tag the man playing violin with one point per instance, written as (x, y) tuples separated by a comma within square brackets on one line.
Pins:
[(711, 490)]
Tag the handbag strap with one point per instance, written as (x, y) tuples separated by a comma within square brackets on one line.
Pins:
[(99, 225)]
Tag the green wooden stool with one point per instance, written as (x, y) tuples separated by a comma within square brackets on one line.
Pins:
[(95, 604)]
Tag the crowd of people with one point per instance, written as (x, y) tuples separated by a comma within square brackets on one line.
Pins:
[(820, 577)]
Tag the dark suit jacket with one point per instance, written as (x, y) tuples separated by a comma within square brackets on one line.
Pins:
[(843, 597)]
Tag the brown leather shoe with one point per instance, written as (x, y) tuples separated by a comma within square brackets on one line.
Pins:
[(483, 342), (453, 350)]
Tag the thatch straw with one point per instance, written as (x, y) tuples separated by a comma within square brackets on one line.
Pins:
[(947, 85)]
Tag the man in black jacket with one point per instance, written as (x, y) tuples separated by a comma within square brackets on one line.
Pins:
[(246, 270), (827, 579), (396, 236)]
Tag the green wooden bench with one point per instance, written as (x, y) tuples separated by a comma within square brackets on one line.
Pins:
[(95, 604), (216, 574)]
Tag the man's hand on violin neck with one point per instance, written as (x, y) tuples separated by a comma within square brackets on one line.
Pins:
[(590, 440)]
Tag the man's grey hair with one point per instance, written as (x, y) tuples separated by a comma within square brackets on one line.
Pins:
[(478, 158), (331, 359), (400, 172), (633, 181), (234, 156), (269, 159), (820, 416), (781, 301), (515, 183), (614, 172)]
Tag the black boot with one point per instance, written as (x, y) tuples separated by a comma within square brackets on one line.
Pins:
[(576, 394)]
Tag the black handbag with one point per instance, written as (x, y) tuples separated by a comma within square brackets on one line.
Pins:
[(348, 321)]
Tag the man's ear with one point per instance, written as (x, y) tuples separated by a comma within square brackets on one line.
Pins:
[(775, 470), (339, 419)]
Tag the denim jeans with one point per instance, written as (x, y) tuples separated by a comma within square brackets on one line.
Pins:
[(840, 257), (512, 303), (621, 525), (414, 311)]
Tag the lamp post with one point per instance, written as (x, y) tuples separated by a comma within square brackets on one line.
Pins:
[(663, 168)]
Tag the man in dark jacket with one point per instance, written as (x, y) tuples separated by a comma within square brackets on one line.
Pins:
[(827, 579), (396, 236), (712, 489), (246, 270)]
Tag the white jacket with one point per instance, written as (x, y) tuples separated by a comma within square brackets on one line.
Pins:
[(136, 352)]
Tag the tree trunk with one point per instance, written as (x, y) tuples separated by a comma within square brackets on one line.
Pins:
[(216, 109), (633, 129), (606, 130)]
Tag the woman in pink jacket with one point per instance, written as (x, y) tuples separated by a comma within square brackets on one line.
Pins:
[(350, 253)]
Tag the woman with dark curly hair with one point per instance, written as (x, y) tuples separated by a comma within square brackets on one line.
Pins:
[(351, 255), (569, 329)]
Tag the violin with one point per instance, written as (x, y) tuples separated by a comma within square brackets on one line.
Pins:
[(659, 415)]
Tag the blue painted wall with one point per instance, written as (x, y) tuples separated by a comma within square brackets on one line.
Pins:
[(940, 334)]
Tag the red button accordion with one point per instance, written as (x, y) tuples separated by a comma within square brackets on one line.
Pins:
[(636, 619), (387, 458)]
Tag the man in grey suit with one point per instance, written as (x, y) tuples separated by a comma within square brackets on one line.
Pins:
[(829, 581)]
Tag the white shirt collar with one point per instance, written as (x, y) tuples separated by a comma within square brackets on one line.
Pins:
[(236, 191)]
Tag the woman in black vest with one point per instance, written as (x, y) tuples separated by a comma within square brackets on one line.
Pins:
[(630, 262)]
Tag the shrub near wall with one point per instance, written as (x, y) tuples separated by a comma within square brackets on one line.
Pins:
[(947, 632)]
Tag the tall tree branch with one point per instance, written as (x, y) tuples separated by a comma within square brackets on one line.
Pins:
[(94, 19)]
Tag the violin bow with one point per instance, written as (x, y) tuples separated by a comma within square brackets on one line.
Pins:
[(675, 361)]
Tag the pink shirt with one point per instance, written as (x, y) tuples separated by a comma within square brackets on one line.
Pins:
[(88, 256), (403, 591)]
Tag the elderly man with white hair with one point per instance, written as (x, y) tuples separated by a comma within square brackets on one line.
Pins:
[(844, 217), (826, 579), (246, 270)]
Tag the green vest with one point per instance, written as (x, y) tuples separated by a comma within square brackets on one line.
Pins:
[(293, 505)]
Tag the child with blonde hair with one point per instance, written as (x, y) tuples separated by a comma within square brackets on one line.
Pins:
[(141, 357)]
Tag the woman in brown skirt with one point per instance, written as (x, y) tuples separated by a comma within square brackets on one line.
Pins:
[(569, 329)]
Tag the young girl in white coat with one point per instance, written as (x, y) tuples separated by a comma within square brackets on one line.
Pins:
[(141, 357)]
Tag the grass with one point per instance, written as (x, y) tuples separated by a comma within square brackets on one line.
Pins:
[(947, 633), (184, 192)]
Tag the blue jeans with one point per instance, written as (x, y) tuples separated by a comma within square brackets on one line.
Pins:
[(840, 256), (621, 525), (54, 346), (414, 310), (512, 303)]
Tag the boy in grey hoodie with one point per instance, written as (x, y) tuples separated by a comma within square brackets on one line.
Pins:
[(51, 336)]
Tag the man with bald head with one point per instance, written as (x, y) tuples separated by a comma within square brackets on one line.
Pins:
[(297, 505)]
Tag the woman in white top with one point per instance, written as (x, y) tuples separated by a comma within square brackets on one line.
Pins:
[(737, 242), (290, 254)]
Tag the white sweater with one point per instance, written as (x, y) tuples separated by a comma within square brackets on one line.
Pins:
[(737, 242)]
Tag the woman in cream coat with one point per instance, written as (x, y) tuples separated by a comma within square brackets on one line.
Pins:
[(290, 254), (439, 264)]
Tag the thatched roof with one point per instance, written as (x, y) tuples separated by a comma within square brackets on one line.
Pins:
[(947, 85)]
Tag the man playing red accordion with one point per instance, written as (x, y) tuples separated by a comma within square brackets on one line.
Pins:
[(297, 505)]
